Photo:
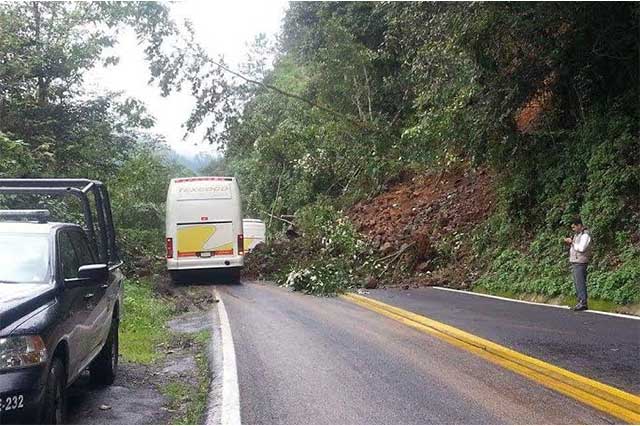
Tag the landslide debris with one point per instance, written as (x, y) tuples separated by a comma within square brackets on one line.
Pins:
[(266, 261), (427, 220)]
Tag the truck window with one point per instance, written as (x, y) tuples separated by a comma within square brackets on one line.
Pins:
[(68, 257), (81, 245), (24, 258)]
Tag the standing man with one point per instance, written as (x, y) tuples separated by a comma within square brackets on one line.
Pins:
[(579, 255)]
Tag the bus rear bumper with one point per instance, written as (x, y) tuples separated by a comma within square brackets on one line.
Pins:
[(185, 264)]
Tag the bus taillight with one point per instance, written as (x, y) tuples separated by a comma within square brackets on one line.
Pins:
[(169, 248), (240, 244)]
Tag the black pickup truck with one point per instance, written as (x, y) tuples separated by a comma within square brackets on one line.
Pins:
[(60, 300)]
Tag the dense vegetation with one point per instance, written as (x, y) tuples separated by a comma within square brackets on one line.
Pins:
[(547, 97), (51, 126), (360, 95)]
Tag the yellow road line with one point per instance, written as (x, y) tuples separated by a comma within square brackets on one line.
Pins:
[(613, 401)]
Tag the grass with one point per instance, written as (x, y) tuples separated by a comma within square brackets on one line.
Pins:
[(594, 304), (143, 326), (143, 331), (190, 400)]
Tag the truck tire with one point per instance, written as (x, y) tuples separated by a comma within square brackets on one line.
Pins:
[(104, 367), (54, 405)]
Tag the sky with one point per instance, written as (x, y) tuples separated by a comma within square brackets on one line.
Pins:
[(221, 27)]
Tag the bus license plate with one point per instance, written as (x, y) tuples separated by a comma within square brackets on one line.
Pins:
[(205, 254)]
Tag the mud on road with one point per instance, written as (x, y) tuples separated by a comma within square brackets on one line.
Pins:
[(168, 391)]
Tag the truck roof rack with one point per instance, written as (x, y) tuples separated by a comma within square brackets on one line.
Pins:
[(80, 188), (42, 216)]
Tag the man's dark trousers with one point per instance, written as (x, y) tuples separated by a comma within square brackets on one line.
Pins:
[(580, 281)]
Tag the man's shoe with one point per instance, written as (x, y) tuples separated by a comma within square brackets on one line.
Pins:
[(579, 307)]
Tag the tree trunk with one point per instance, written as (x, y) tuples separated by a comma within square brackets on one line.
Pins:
[(42, 81)]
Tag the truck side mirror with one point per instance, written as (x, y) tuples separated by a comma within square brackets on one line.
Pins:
[(98, 273)]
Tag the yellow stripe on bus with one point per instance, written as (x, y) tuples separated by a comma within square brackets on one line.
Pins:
[(193, 238)]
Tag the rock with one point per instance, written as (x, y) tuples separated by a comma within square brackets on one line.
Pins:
[(423, 267), (292, 232), (105, 407), (386, 248), (371, 282)]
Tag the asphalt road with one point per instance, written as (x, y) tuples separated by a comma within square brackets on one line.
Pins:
[(303, 359), (601, 347)]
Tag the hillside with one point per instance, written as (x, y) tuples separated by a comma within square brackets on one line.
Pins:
[(511, 120), (436, 213)]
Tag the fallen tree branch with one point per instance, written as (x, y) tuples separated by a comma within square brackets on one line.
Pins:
[(275, 200), (278, 218), (326, 109), (396, 253), (394, 256)]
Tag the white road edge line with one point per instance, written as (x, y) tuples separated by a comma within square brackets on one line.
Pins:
[(491, 296), (228, 411)]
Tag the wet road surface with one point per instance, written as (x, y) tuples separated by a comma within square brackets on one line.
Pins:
[(304, 359), (601, 347)]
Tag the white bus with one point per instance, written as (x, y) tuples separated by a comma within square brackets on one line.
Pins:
[(254, 233), (204, 225)]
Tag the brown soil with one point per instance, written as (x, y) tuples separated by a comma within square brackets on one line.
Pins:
[(429, 216), (192, 296)]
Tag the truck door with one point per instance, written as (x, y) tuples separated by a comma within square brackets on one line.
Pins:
[(80, 302), (99, 315)]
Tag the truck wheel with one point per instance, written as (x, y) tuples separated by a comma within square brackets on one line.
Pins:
[(54, 409), (103, 368)]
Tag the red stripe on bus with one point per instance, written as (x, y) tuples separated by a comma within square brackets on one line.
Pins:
[(186, 253)]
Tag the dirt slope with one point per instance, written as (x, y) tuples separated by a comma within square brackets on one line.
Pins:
[(429, 216)]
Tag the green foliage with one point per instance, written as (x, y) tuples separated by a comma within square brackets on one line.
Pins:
[(620, 284), (186, 398), (330, 230), (326, 279), (138, 195), (544, 270), (332, 253), (418, 86), (143, 325), (359, 94), (613, 175), (51, 127), (49, 47), (15, 158)]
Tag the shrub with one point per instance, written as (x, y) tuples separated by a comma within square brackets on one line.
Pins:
[(515, 271), (320, 278), (334, 254)]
